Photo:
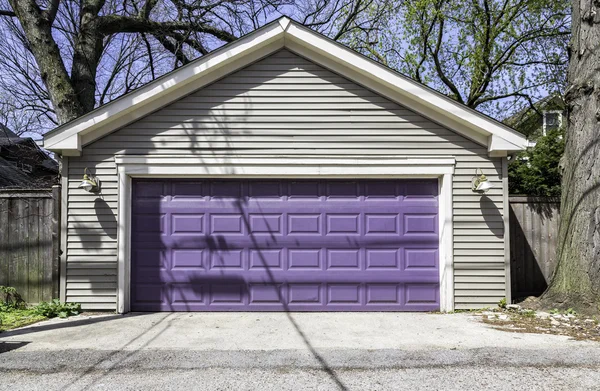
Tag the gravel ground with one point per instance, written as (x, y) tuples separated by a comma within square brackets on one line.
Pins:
[(279, 352), (472, 369)]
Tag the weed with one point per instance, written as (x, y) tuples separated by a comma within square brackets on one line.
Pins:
[(502, 303), (528, 313), (55, 308), (10, 299), (14, 312)]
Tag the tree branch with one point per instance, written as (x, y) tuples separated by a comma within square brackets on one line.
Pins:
[(8, 13), (50, 13), (170, 46), (426, 33), (112, 24), (150, 56), (147, 8), (509, 95), (438, 65), (351, 16), (191, 42)]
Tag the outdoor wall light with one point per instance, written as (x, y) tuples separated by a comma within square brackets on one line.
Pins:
[(89, 183), (480, 183)]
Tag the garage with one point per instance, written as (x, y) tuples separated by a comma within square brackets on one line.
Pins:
[(284, 245), (284, 172)]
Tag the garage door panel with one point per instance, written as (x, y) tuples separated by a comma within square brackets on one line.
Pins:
[(224, 242), (232, 295), (162, 263), (266, 245), (282, 276)]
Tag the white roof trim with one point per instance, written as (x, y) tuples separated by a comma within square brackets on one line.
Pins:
[(165, 89), (415, 92), (69, 138), (348, 167)]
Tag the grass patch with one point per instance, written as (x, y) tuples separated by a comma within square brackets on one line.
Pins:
[(14, 311), (13, 318)]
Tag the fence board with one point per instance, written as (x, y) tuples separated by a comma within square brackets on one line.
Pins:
[(4, 266), (29, 242), (33, 251), (533, 237)]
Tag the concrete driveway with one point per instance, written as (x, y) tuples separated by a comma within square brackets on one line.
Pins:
[(324, 351)]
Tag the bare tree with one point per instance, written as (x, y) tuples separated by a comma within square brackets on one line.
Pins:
[(74, 55)]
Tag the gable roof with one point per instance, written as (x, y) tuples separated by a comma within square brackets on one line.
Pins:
[(68, 139)]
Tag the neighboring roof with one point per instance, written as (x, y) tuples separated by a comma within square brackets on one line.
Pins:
[(12, 177), (8, 139), (68, 139), (17, 152), (7, 136), (553, 101)]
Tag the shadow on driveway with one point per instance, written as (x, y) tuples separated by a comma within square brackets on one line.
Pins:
[(10, 345), (67, 323)]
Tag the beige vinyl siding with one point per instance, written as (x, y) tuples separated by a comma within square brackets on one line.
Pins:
[(284, 105)]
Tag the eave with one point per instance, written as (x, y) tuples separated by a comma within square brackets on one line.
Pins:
[(70, 138)]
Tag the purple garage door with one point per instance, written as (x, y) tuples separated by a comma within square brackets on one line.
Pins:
[(273, 245)]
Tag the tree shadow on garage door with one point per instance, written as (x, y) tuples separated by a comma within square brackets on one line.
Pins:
[(190, 291), (240, 204)]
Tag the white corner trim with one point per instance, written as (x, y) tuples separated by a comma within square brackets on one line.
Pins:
[(506, 222), (64, 218), (446, 246), (124, 242), (355, 167)]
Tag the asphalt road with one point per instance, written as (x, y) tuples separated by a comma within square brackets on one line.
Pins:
[(291, 352)]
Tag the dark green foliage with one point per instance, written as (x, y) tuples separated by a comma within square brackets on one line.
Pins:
[(10, 299), (55, 308), (536, 172), (14, 312)]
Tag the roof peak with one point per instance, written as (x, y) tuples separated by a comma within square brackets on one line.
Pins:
[(283, 32)]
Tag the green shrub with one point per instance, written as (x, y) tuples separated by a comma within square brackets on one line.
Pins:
[(10, 299), (55, 308), (536, 171), (502, 303)]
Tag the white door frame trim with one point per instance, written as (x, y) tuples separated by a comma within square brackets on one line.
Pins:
[(356, 167)]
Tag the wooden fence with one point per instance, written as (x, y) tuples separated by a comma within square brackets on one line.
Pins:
[(533, 240), (30, 242)]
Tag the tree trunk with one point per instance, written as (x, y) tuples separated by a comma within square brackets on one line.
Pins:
[(87, 54), (576, 280), (38, 31)]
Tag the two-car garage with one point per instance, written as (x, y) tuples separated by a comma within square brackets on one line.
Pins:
[(284, 172), (272, 245)]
